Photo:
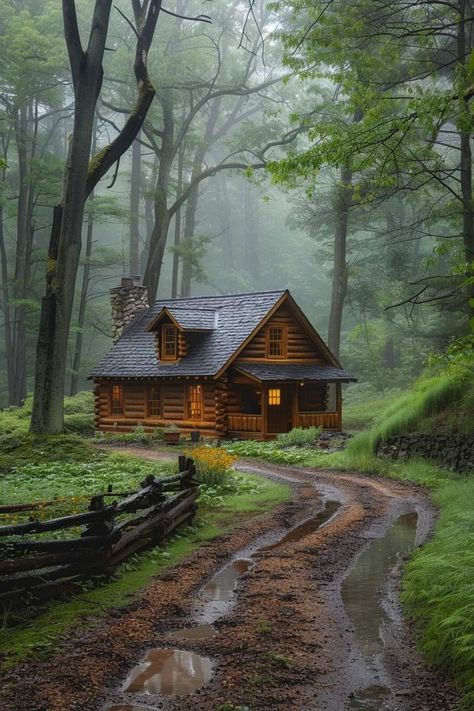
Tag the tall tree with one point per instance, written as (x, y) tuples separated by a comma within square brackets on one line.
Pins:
[(81, 176)]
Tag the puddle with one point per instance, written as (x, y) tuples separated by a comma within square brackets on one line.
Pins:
[(170, 672), (198, 632), (307, 527), (369, 698), (221, 586), (361, 589)]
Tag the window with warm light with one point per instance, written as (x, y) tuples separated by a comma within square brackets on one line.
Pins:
[(274, 396), (116, 400), (195, 402), (275, 342), (154, 401), (169, 343)]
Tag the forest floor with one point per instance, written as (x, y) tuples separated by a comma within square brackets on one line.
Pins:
[(302, 629)]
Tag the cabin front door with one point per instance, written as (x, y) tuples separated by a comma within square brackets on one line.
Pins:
[(279, 409)]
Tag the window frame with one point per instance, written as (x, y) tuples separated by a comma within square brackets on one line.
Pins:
[(149, 400), (282, 341), (199, 401), (116, 411), (274, 397), (168, 327)]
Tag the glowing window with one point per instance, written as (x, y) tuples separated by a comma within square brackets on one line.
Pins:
[(116, 400), (275, 342), (170, 343), (154, 401), (195, 402), (274, 396)]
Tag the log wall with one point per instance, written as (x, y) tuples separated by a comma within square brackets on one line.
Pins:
[(174, 406)]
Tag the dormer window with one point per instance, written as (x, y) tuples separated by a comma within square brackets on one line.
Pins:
[(169, 343), (276, 342)]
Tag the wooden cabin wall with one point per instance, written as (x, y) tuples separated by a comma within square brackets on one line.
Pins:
[(174, 404), (299, 346), (313, 398)]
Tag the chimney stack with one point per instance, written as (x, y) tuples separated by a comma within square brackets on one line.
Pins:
[(127, 300)]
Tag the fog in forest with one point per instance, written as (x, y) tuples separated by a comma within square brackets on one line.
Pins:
[(288, 146)]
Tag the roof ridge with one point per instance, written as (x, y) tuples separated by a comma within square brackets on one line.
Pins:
[(221, 296)]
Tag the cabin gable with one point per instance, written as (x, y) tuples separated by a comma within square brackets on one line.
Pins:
[(283, 338)]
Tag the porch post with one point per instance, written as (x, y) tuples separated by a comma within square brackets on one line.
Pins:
[(339, 404), (264, 411)]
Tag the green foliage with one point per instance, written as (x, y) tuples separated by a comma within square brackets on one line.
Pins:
[(270, 451), (428, 397), (299, 437)]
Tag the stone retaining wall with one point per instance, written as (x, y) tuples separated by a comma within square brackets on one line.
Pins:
[(452, 451)]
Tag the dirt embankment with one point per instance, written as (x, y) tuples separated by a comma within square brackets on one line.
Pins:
[(285, 643)]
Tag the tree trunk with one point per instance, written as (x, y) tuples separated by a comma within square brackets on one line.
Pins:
[(81, 176), (159, 234), (464, 50), (177, 229), (339, 280), (81, 318), (135, 206)]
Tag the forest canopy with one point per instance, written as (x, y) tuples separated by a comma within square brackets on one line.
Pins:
[(320, 146)]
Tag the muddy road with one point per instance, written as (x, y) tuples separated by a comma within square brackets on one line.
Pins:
[(295, 610)]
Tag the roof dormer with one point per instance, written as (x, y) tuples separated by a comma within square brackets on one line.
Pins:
[(173, 328)]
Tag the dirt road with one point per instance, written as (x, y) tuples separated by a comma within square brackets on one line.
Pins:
[(294, 610)]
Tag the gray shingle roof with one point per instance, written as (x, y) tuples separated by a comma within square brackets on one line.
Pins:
[(293, 371), (238, 315), (196, 319)]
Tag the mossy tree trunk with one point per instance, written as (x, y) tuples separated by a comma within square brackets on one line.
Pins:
[(81, 175)]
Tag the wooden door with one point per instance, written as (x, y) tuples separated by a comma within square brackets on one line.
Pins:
[(279, 403)]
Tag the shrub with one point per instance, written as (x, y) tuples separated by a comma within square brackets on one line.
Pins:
[(79, 422), (213, 465), (299, 437)]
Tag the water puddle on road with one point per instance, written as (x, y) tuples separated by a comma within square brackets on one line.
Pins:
[(369, 698), (307, 527), (362, 592), (170, 672), (221, 586), (198, 632)]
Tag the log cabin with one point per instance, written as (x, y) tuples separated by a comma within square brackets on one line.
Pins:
[(239, 366)]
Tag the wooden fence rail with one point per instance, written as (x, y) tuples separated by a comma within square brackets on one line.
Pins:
[(38, 569)]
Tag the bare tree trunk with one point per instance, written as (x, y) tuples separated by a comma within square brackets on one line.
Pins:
[(81, 318), (135, 206), (177, 229), (464, 50), (339, 280), (159, 234)]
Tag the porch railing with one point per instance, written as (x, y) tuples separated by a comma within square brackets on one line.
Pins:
[(245, 423), (327, 420)]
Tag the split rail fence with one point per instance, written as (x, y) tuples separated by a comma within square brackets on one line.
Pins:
[(36, 569)]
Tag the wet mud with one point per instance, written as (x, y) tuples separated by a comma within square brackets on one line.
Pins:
[(295, 610)]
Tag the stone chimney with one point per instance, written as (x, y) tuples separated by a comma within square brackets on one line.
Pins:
[(127, 300)]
